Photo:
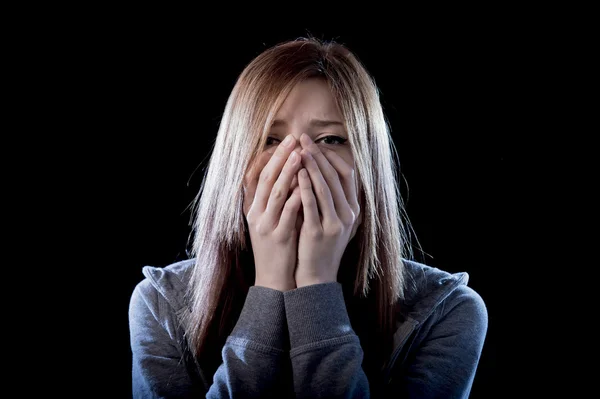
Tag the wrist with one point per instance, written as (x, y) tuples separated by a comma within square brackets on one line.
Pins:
[(278, 285), (305, 281)]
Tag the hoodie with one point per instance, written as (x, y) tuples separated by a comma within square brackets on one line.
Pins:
[(300, 343)]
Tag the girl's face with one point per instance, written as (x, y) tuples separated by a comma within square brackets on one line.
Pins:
[(310, 108)]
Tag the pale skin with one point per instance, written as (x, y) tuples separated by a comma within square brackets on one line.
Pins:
[(302, 209)]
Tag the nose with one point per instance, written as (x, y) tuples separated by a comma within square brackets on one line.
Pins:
[(297, 146)]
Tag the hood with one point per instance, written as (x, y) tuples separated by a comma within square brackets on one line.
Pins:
[(426, 288)]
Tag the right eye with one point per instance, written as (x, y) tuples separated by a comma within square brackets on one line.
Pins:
[(270, 141)]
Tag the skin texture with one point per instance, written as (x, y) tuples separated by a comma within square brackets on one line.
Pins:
[(272, 218), (300, 223)]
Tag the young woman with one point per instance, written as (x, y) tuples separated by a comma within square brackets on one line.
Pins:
[(301, 283)]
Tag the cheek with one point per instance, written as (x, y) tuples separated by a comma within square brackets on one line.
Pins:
[(350, 161), (346, 155)]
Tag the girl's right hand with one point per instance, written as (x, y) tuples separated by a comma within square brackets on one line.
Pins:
[(272, 216)]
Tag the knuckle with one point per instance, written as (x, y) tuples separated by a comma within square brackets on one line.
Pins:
[(335, 229), (280, 236), (315, 234), (348, 219), (277, 193), (261, 229), (347, 173), (251, 216), (354, 215), (306, 189), (311, 202), (265, 176)]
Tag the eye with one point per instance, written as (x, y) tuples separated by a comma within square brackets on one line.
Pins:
[(336, 140), (270, 141), (329, 140)]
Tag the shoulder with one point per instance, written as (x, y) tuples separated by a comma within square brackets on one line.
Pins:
[(164, 284), (430, 291), (442, 326)]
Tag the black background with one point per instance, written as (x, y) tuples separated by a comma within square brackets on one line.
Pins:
[(147, 91), (446, 102)]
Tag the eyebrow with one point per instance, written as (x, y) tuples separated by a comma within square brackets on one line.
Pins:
[(313, 122)]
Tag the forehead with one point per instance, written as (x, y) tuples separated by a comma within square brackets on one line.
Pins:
[(310, 97)]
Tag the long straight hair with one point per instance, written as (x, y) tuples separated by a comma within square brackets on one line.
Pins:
[(373, 276)]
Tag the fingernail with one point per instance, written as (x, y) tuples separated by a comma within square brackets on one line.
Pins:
[(288, 141), (306, 139)]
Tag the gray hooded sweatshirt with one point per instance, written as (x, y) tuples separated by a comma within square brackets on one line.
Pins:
[(300, 343)]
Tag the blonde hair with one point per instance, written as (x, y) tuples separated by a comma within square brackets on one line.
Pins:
[(224, 267)]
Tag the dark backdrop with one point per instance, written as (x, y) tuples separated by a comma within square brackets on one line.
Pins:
[(155, 89)]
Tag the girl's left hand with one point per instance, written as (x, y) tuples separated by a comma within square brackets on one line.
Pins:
[(323, 238)]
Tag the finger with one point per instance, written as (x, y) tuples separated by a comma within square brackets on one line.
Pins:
[(289, 214), (347, 177), (320, 187), (281, 188), (270, 173), (251, 178), (294, 182), (331, 178), (309, 202)]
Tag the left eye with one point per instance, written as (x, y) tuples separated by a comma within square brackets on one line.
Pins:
[(336, 140)]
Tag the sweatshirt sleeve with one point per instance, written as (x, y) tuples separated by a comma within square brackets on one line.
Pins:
[(254, 356), (325, 352), (445, 363)]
